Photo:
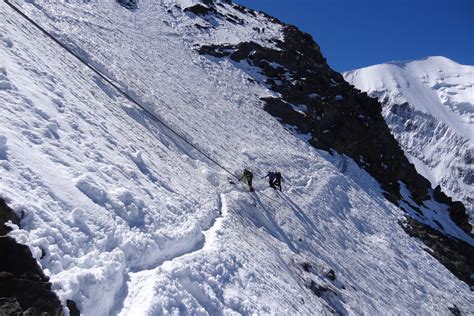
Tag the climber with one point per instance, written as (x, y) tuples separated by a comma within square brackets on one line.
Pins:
[(249, 176), (278, 180), (271, 179)]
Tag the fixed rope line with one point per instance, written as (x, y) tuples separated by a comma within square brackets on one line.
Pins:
[(116, 87), (123, 93)]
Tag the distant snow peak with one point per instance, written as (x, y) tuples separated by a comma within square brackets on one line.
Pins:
[(429, 106)]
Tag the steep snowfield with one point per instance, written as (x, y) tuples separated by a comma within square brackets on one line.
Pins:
[(128, 219), (429, 106)]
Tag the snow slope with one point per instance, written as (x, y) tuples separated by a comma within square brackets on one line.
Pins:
[(128, 219), (429, 106)]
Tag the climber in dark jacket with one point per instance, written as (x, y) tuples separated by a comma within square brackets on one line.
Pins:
[(278, 180), (271, 179), (248, 175)]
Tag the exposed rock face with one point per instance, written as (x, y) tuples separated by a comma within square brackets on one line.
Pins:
[(454, 254), (24, 289), (129, 4), (6, 214), (457, 211)]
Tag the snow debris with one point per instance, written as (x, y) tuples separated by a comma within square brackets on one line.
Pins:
[(91, 189)]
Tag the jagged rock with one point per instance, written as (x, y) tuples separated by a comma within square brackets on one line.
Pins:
[(22, 279), (457, 210), (454, 254), (280, 108), (6, 214), (319, 290), (73, 310), (218, 51), (199, 9), (10, 306), (306, 266), (440, 196), (17, 259), (24, 288)]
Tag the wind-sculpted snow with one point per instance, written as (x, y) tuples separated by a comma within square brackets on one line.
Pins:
[(128, 219), (429, 106)]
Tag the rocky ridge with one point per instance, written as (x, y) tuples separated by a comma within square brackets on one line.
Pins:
[(316, 102)]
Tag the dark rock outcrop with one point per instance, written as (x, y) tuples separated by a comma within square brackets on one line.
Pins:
[(208, 11), (24, 288), (454, 254), (454, 310), (129, 4), (6, 215), (331, 275), (22, 280), (457, 211), (10, 306), (73, 310), (199, 9)]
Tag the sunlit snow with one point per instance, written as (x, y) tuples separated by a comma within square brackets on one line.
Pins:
[(127, 219)]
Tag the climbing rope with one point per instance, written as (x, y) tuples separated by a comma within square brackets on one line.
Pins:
[(116, 87), (125, 94)]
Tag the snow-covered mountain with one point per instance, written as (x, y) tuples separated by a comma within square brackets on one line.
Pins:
[(122, 191), (429, 106)]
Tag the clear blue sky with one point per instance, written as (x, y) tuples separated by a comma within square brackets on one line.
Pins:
[(359, 33)]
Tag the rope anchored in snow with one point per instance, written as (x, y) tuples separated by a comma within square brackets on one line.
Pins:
[(120, 90), (153, 115)]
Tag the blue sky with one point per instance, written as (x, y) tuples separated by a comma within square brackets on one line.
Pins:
[(359, 33)]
